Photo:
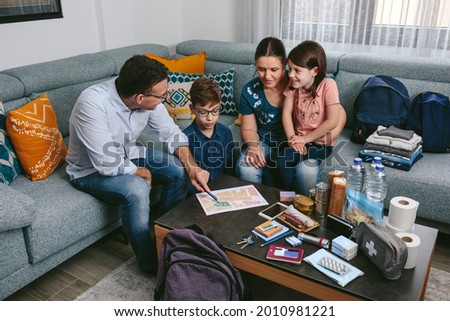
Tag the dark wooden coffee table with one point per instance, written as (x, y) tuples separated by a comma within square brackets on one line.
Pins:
[(228, 228)]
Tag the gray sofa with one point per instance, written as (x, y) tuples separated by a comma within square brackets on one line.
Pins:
[(45, 222)]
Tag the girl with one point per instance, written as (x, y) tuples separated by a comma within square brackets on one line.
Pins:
[(312, 117)]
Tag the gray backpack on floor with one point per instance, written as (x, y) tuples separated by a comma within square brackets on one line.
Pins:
[(193, 267)]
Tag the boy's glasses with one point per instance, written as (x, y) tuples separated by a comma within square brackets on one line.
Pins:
[(205, 113)]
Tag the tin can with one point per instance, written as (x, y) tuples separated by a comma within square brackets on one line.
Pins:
[(303, 204), (322, 198)]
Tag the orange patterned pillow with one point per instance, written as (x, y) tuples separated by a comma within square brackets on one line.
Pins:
[(34, 133), (194, 64)]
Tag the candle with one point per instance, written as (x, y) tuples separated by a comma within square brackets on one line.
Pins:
[(333, 174)]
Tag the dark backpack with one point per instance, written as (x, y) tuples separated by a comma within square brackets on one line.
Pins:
[(429, 117), (193, 267), (382, 100)]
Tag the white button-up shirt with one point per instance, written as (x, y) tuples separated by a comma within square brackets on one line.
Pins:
[(103, 133)]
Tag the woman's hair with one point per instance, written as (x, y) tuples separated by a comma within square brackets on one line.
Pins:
[(271, 47), (139, 74), (310, 54), (205, 91)]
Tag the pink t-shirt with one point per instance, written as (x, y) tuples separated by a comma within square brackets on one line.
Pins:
[(310, 112)]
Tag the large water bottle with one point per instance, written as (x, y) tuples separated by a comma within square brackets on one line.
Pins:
[(355, 175), (371, 168), (377, 184)]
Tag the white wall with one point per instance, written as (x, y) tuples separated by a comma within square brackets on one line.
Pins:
[(93, 25)]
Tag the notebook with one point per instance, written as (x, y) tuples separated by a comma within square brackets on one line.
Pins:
[(283, 229)]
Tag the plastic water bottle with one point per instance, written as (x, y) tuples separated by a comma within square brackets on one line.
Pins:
[(355, 175), (375, 161), (377, 184)]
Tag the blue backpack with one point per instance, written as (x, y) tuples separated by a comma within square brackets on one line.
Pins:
[(429, 117), (382, 100)]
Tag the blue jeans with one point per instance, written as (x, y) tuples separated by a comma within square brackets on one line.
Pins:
[(267, 174), (132, 194), (301, 172)]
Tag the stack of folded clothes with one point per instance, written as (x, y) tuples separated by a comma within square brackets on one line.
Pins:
[(399, 148)]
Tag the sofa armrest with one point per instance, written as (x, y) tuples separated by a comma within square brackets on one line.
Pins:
[(16, 209)]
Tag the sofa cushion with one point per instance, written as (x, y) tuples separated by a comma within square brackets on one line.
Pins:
[(13, 253), (10, 88), (193, 64), (16, 209), (120, 55), (225, 80), (63, 72), (9, 163), (64, 215), (36, 138)]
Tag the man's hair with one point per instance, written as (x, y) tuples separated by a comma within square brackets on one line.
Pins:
[(205, 91), (139, 74)]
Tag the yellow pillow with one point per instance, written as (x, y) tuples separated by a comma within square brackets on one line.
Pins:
[(33, 129), (194, 64)]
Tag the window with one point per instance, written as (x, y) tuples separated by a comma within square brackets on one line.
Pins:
[(415, 27)]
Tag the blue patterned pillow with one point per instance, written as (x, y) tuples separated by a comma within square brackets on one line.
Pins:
[(9, 163), (225, 79)]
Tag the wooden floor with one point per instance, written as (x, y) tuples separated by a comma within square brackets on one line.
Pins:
[(79, 273)]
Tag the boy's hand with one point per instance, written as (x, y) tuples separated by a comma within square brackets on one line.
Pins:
[(145, 173), (255, 157)]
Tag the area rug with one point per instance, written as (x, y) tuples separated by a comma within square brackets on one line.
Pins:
[(128, 283)]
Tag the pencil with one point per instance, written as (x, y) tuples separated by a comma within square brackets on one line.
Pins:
[(277, 238), (213, 196)]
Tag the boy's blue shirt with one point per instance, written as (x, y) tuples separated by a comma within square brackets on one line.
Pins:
[(212, 154)]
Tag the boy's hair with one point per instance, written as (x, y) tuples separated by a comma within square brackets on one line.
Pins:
[(271, 47), (139, 74), (205, 91), (310, 54)]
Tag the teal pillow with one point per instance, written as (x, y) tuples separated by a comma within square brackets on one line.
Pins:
[(225, 79), (9, 163)]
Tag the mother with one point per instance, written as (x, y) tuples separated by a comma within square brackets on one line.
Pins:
[(261, 119)]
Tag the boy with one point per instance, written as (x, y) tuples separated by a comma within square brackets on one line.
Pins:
[(210, 142)]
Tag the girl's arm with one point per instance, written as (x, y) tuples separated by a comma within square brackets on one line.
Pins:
[(327, 126), (330, 138), (288, 125)]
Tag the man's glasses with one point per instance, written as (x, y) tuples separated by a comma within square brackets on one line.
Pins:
[(163, 97), (205, 113)]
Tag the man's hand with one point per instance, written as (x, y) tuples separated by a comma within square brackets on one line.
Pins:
[(255, 157), (145, 173), (199, 179)]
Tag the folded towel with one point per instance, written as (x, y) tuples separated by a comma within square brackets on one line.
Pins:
[(395, 132), (393, 141)]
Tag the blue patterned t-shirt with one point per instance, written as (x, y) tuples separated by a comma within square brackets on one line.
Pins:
[(268, 117)]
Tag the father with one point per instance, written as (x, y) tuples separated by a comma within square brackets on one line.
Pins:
[(104, 159)]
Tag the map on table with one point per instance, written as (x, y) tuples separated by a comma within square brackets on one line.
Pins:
[(231, 199)]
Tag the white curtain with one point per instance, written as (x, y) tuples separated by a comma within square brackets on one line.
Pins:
[(408, 27), (261, 19)]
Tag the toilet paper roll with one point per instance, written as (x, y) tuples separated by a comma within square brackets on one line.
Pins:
[(402, 213), (413, 244)]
